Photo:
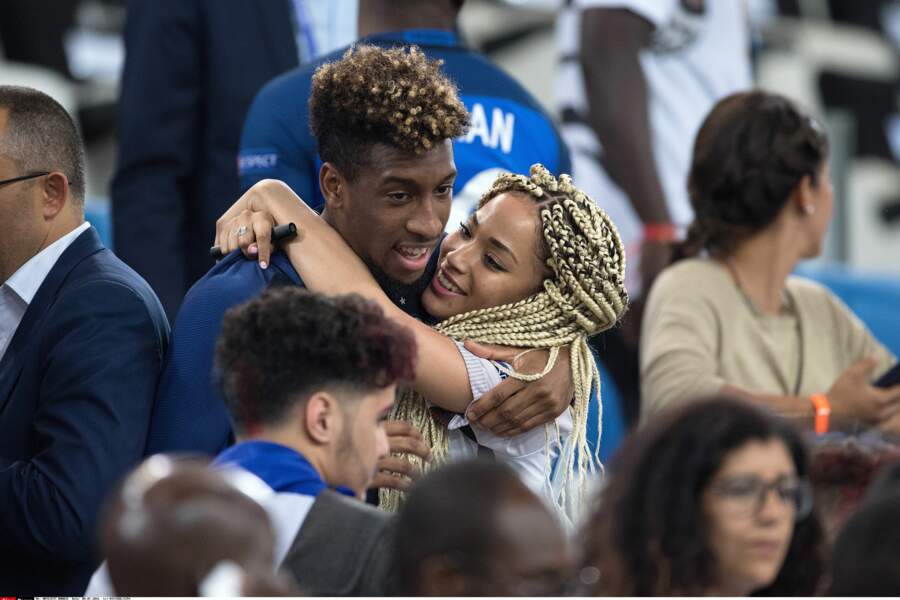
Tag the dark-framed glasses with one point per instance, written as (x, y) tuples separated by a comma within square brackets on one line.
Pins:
[(23, 177), (747, 495)]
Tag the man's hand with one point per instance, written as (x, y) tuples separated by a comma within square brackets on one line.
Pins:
[(514, 406), (397, 472)]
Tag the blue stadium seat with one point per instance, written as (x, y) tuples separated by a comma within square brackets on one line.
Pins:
[(613, 421), (874, 298), (97, 212)]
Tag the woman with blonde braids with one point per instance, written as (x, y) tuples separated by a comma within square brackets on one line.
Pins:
[(538, 266)]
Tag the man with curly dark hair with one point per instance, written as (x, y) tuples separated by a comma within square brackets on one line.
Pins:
[(314, 434), (388, 180), (509, 131), (384, 121), (308, 381), (388, 167)]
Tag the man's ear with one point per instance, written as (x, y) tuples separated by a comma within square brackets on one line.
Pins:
[(55, 194), (333, 185), (323, 418)]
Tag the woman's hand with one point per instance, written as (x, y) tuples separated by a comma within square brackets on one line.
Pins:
[(248, 224), (251, 232), (853, 397)]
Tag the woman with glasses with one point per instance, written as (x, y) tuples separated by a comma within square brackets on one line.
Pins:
[(709, 499)]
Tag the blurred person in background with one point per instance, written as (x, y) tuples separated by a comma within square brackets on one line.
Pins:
[(178, 528), (841, 472), (82, 342), (709, 499), (191, 70), (473, 529), (33, 35), (734, 320), (636, 79), (864, 559)]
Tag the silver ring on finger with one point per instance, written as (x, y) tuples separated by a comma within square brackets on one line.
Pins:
[(241, 231)]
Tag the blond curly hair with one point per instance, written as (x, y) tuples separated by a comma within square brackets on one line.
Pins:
[(394, 96), (584, 296)]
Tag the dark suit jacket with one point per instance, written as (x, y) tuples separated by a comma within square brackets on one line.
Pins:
[(192, 68), (76, 388), (343, 548)]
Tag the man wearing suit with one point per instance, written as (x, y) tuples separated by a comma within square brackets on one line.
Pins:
[(192, 68), (82, 338)]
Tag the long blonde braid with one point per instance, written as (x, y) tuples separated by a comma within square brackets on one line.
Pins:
[(585, 296)]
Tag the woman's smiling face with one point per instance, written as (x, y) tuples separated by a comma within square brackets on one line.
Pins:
[(493, 259)]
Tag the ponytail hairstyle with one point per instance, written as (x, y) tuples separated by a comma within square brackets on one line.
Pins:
[(751, 152), (584, 296)]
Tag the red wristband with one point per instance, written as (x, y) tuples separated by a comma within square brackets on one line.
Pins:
[(660, 232), (823, 411)]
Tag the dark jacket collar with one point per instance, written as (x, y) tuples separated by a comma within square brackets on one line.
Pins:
[(86, 244)]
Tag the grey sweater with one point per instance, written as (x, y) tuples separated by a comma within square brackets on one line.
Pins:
[(343, 548)]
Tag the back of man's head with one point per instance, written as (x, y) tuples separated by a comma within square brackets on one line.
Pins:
[(865, 561), (172, 523), (473, 528), (39, 135), (278, 349), (373, 95)]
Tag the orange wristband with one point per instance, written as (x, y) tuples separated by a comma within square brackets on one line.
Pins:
[(823, 411), (661, 232)]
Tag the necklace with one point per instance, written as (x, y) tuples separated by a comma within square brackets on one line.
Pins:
[(790, 301)]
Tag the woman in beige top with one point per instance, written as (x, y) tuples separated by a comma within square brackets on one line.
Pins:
[(735, 320)]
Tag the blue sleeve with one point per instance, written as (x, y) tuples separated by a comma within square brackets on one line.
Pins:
[(613, 425), (189, 414), (565, 158), (161, 95), (98, 378), (276, 142)]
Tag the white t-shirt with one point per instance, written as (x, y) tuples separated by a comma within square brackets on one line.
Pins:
[(531, 454), (697, 57)]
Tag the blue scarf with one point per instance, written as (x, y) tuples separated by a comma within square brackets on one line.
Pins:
[(282, 468)]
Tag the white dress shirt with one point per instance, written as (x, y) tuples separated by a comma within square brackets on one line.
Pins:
[(19, 290)]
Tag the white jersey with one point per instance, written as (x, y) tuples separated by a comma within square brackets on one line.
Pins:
[(699, 53)]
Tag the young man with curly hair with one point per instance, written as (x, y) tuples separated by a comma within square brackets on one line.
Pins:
[(388, 187), (312, 435), (384, 121), (509, 130)]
